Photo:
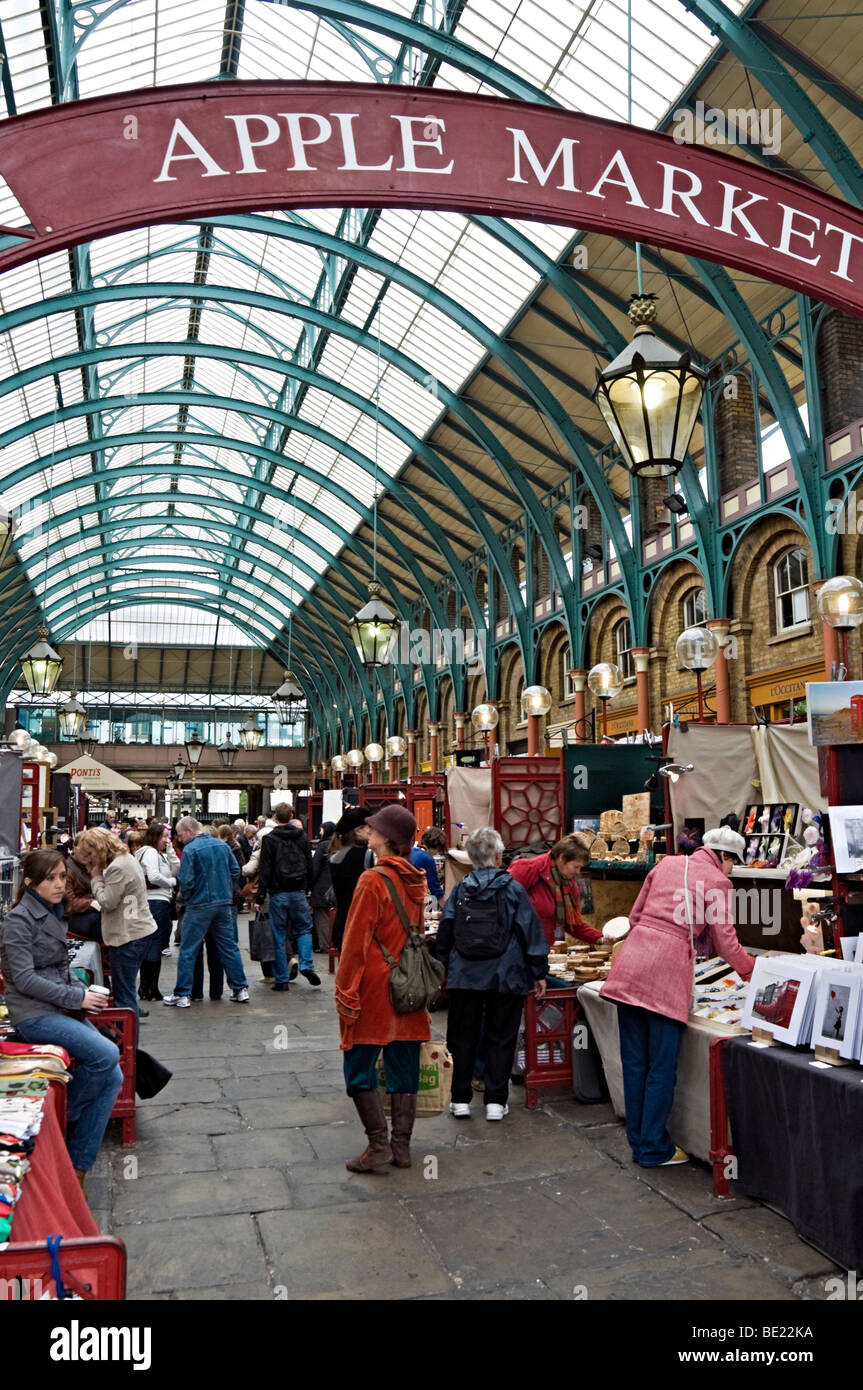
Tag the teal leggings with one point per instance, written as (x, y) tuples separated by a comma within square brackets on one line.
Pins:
[(401, 1061)]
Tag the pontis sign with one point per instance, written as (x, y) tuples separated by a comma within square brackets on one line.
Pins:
[(90, 168)]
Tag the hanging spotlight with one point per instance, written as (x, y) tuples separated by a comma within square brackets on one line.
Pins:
[(72, 717), (227, 752), (288, 700), (251, 734), (650, 397), (41, 666), (374, 630), (674, 771)]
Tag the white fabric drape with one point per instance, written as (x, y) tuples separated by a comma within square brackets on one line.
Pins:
[(724, 762), (787, 764)]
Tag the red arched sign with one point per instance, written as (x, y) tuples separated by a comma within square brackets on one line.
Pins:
[(90, 168)]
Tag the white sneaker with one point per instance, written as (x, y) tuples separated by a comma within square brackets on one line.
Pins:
[(168, 951), (239, 996), (460, 1109), (178, 1001), (496, 1112)]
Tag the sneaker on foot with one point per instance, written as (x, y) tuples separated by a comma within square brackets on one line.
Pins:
[(178, 1001), (312, 978), (239, 996), (460, 1109), (496, 1112), (679, 1156), (295, 966)]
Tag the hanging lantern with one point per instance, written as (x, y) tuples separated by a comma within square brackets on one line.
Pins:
[(289, 700), (194, 749), (375, 630), (87, 742), (227, 752), (41, 666), (251, 734), (650, 397), (535, 700), (840, 602), (338, 763), (484, 718), (354, 757), (73, 718), (396, 746), (374, 753)]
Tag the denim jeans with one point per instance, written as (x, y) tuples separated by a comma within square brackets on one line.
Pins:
[(401, 1065), (291, 911), (125, 962), (160, 911), (95, 1081), (649, 1044), (197, 921)]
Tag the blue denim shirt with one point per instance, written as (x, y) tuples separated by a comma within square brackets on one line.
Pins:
[(208, 871)]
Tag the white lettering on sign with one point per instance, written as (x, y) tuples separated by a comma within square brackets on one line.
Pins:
[(626, 181), (521, 145), (182, 132), (410, 144)]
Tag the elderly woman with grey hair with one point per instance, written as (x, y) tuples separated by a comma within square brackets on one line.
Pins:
[(495, 951)]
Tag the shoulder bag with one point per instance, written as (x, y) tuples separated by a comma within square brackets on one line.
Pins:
[(416, 980)]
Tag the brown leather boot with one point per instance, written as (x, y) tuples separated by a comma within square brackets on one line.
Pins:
[(80, 1174), (404, 1113), (370, 1108)]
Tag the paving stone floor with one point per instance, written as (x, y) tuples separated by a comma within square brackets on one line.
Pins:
[(237, 1189)]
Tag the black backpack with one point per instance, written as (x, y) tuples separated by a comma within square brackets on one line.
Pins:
[(289, 859), (480, 930)]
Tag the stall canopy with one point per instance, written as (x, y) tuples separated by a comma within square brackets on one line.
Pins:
[(86, 772)]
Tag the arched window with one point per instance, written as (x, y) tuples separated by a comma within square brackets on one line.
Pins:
[(695, 608), (623, 646), (791, 590)]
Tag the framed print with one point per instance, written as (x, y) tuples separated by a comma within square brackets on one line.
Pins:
[(836, 1021), (846, 830), (834, 710), (589, 824), (780, 997)]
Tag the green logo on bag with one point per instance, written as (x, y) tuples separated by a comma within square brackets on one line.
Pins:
[(429, 1077)]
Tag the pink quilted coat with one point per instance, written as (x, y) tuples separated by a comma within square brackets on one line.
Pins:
[(653, 969)]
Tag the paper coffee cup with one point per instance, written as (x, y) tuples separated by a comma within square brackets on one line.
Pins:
[(99, 989)]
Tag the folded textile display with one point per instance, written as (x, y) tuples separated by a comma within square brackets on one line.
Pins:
[(26, 1071)]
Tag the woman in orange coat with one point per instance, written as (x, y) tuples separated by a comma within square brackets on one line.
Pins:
[(367, 1019)]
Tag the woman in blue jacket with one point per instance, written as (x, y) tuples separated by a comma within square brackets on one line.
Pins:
[(495, 951)]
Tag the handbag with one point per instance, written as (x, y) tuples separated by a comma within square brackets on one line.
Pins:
[(151, 1076), (261, 946), (416, 980)]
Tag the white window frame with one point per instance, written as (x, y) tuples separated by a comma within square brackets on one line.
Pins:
[(624, 657), (779, 594), (690, 606), (567, 685)]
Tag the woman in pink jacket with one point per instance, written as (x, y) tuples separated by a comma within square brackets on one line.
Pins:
[(651, 981)]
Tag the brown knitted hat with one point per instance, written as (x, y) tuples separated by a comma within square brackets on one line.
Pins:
[(396, 824)]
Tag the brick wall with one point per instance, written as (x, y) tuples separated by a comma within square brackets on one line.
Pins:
[(839, 352), (734, 432)]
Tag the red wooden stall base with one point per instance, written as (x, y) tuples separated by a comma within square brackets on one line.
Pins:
[(123, 1022), (548, 1025), (93, 1268), (720, 1142)]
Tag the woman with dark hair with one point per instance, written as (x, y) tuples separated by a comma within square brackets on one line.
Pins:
[(46, 1003), (349, 856), (321, 884), (160, 865), (386, 896)]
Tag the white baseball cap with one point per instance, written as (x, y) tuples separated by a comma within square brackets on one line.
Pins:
[(724, 840)]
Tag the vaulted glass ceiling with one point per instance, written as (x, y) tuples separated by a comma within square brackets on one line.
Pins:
[(174, 466)]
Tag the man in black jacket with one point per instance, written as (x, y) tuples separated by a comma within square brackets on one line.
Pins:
[(285, 872)]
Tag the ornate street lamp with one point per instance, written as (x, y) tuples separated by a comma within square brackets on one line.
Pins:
[(697, 649), (251, 734), (227, 751), (19, 740), (87, 742), (396, 748), (840, 605), (485, 718), (72, 718), (650, 397), (338, 763), (374, 754), (355, 757), (374, 630), (605, 681), (194, 749), (41, 666), (179, 771), (288, 700), (535, 702)]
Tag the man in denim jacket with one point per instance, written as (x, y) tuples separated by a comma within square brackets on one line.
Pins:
[(208, 871)]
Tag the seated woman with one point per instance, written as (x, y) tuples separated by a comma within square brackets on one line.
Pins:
[(46, 1003)]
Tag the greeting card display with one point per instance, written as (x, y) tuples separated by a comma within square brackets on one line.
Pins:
[(774, 818), (780, 998), (765, 851), (837, 1025)]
